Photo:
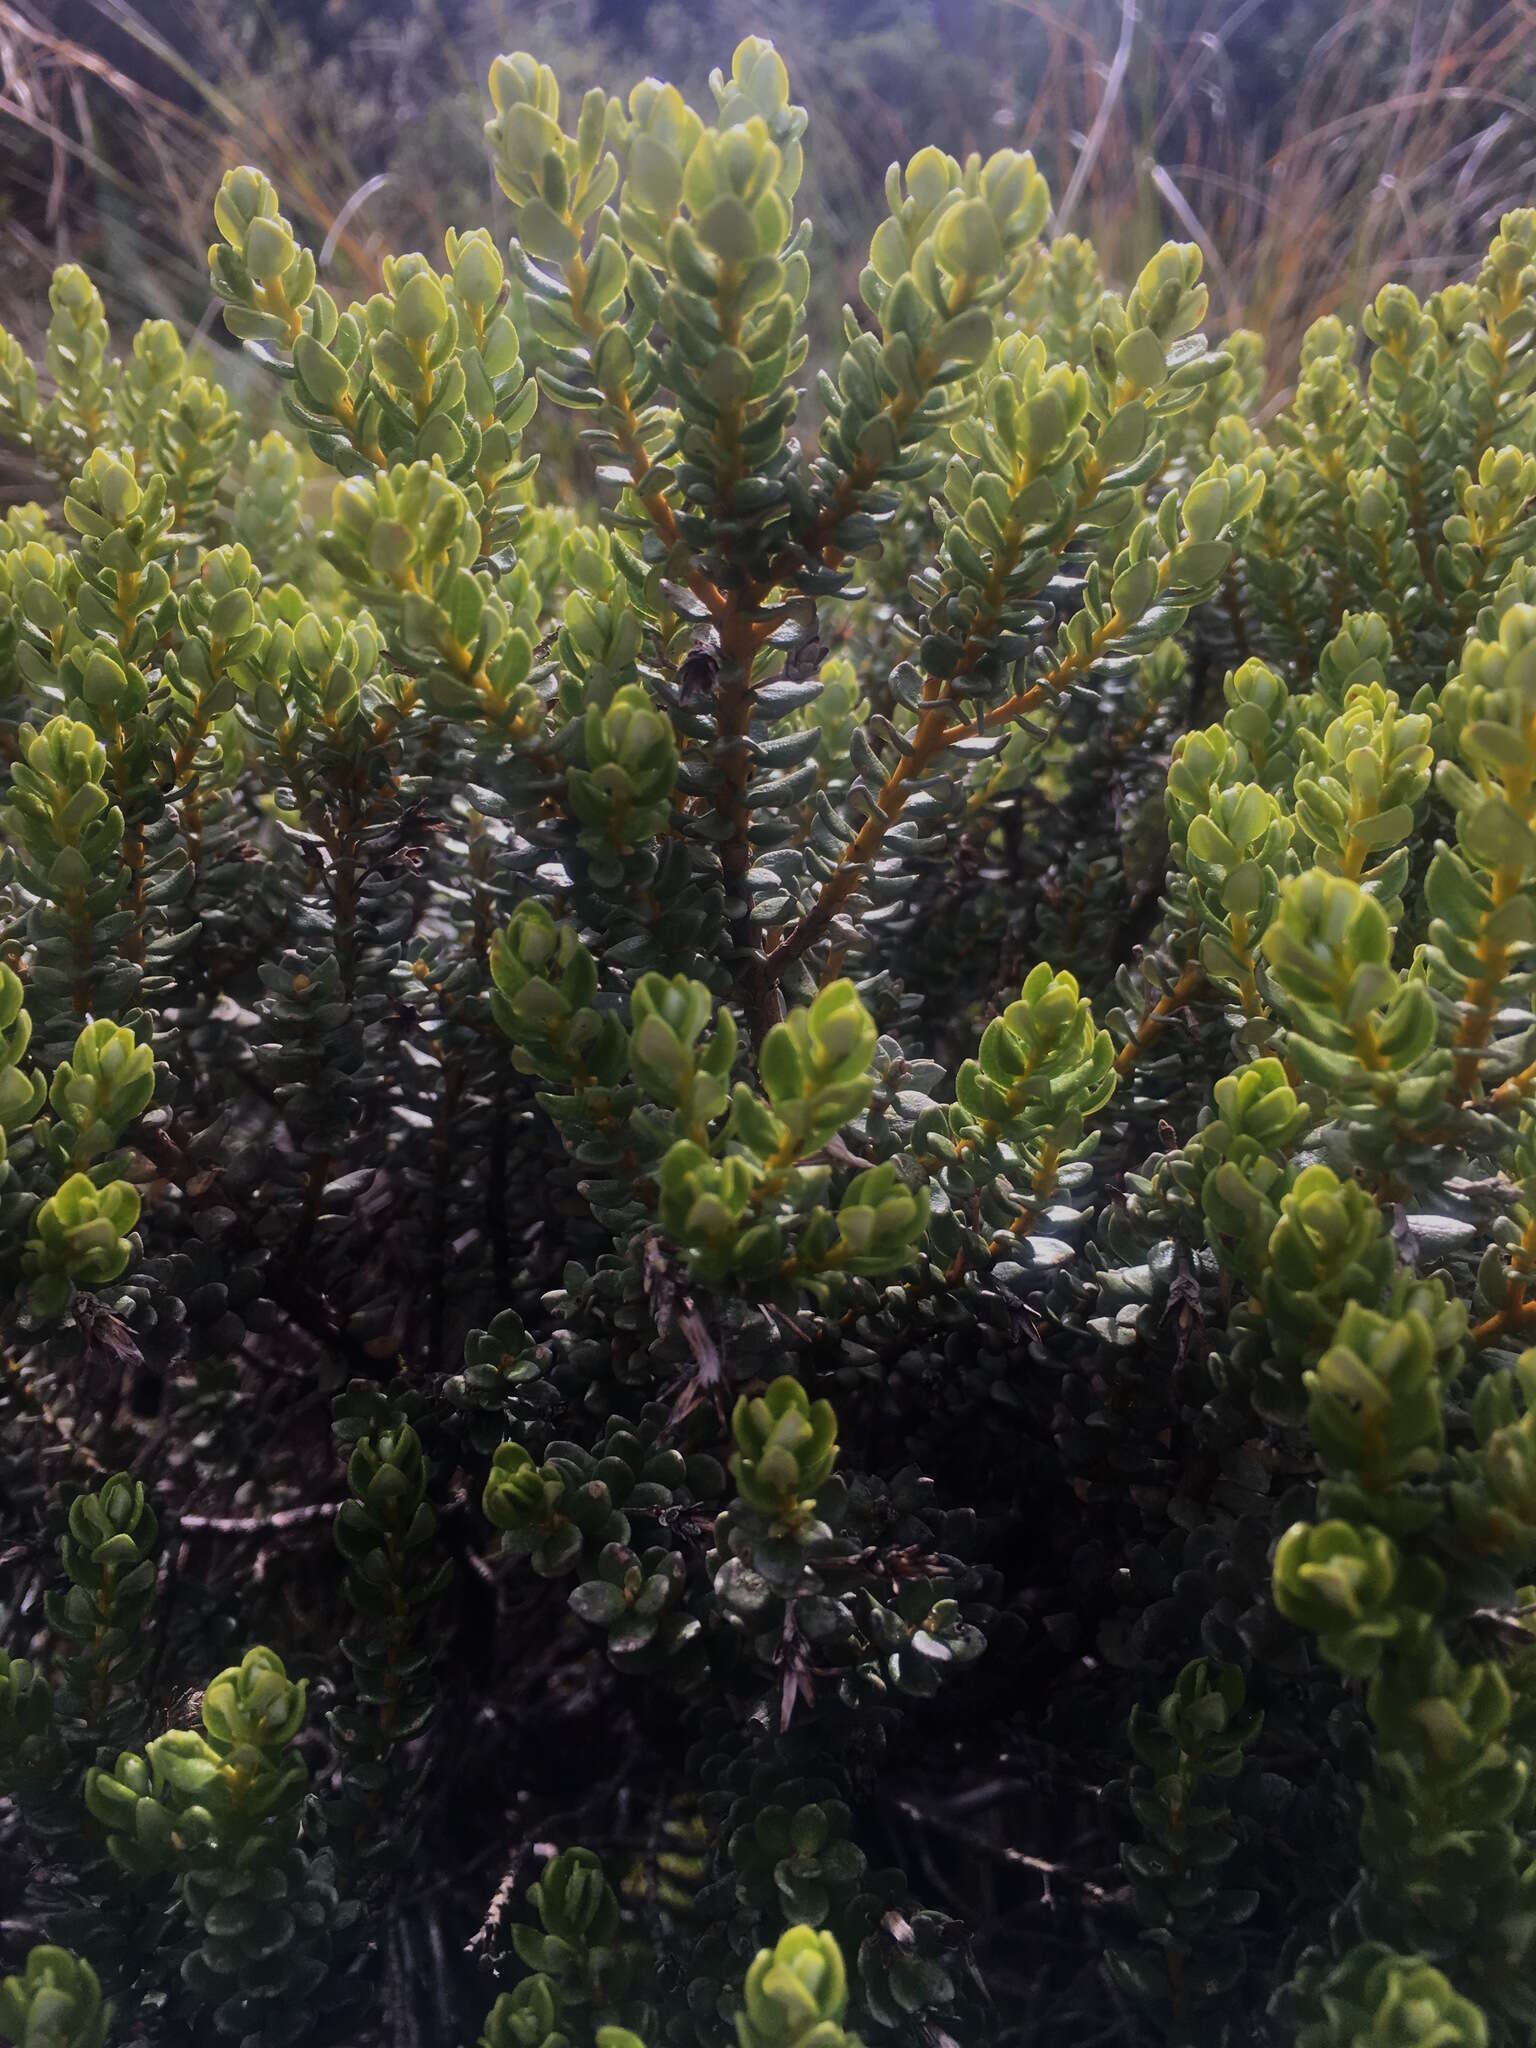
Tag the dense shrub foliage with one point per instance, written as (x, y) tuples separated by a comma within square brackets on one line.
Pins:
[(817, 1197)]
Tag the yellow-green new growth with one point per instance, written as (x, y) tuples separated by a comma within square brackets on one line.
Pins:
[(56, 2002), (1042, 1068), (786, 1447), (1480, 895), (796, 1994), (1360, 792)]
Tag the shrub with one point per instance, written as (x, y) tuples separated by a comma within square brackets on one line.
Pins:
[(614, 1066)]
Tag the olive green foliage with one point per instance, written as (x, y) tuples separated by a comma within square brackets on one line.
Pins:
[(1198, 1736), (56, 2000), (766, 1162)]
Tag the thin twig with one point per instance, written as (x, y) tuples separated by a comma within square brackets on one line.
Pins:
[(274, 1524), (1017, 1858)]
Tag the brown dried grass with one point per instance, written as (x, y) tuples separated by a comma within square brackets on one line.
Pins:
[(1410, 131)]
